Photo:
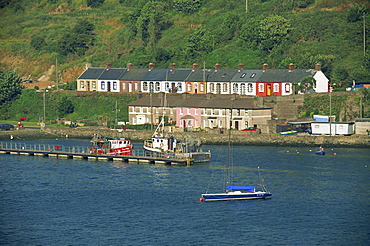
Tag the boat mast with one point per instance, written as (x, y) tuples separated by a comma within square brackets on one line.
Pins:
[(229, 144)]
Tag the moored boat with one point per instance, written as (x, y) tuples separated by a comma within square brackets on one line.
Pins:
[(320, 151), (168, 146), (235, 192), (288, 133), (114, 146)]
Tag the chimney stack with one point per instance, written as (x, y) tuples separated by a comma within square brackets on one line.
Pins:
[(172, 66), (129, 66), (318, 67), (217, 67), (150, 66), (109, 66), (88, 65), (240, 67), (291, 67), (195, 66), (264, 67)]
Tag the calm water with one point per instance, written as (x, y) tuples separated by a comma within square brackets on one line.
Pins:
[(317, 200)]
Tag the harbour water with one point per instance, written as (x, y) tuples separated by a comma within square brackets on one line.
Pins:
[(317, 200)]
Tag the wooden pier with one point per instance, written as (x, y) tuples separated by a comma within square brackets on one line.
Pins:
[(97, 156)]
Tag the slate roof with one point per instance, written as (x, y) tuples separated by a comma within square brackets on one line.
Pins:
[(222, 75), (199, 75), (156, 74), (197, 101), (247, 75), (134, 74), (285, 75), (179, 74), (92, 73), (112, 74)]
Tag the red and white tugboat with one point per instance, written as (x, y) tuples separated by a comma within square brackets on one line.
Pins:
[(113, 146)]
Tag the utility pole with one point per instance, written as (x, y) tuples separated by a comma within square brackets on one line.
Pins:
[(363, 16), (56, 72), (116, 121), (246, 6), (330, 88)]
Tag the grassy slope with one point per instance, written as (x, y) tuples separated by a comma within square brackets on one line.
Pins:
[(323, 26)]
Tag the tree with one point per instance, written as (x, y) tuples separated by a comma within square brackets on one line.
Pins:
[(198, 44), (228, 27), (152, 21), (10, 86), (95, 3), (302, 3), (306, 84), (187, 6), (356, 12), (78, 40), (340, 75), (64, 106), (37, 42), (273, 30), (249, 32)]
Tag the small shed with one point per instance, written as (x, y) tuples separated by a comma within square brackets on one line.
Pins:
[(337, 128), (362, 126), (300, 126)]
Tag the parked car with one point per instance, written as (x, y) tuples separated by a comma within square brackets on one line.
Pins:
[(308, 130), (6, 127), (251, 129)]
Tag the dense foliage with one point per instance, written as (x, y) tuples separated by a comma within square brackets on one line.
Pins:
[(63, 105), (276, 32), (10, 86)]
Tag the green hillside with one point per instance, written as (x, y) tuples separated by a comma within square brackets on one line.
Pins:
[(277, 32)]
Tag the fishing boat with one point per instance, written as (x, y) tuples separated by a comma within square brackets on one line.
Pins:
[(113, 146), (167, 146), (288, 133), (235, 192)]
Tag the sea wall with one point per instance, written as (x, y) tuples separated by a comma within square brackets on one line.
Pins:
[(206, 137)]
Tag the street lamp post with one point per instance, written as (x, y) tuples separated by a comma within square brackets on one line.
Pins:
[(330, 88), (44, 119)]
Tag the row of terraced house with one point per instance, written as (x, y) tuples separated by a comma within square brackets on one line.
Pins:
[(252, 82)]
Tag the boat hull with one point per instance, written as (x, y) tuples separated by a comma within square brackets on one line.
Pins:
[(320, 152), (234, 196), (288, 133)]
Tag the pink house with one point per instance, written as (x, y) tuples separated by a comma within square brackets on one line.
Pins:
[(188, 117)]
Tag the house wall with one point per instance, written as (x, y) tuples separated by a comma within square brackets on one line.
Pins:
[(87, 85), (130, 86), (108, 86), (196, 87), (286, 89), (169, 113), (151, 86), (322, 82), (264, 89), (173, 87), (194, 112), (218, 87), (323, 128), (362, 126)]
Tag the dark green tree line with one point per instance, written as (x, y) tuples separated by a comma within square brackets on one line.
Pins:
[(78, 40), (10, 86)]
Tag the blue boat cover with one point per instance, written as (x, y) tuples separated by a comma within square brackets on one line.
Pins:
[(247, 188)]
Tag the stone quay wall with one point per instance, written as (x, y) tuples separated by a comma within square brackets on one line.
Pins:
[(206, 137)]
